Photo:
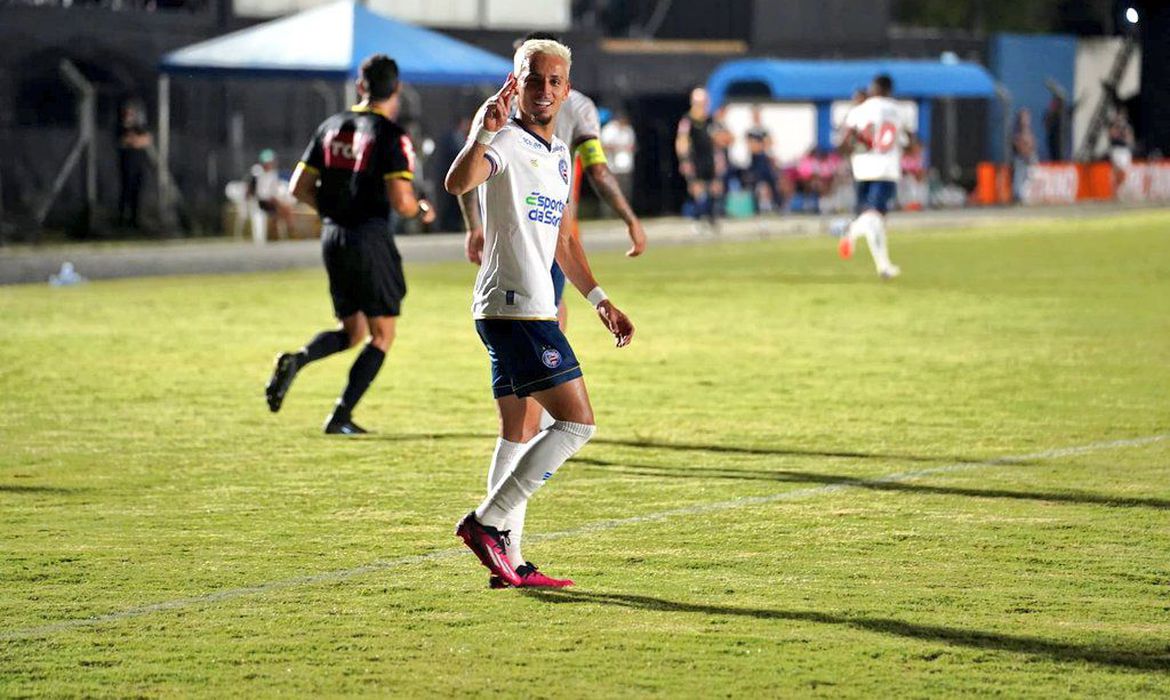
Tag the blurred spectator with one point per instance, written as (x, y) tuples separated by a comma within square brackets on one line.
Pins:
[(619, 141), (1023, 152), (813, 175), (133, 161), (270, 193), (1120, 146), (913, 191), (1054, 120), (762, 175), (723, 141)]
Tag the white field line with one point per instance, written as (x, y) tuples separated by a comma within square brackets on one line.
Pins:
[(591, 528)]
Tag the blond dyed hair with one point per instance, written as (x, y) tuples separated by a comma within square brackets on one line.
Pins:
[(546, 46)]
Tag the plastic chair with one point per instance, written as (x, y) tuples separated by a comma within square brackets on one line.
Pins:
[(259, 223), (236, 192), (247, 210)]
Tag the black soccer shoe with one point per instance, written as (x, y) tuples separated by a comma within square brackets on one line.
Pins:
[(341, 425), (282, 377)]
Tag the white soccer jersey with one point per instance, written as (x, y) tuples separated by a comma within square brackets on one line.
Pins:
[(523, 201), (882, 135)]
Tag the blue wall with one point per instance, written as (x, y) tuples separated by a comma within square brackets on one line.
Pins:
[(1022, 63)]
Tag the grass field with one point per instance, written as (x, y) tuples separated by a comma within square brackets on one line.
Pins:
[(805, 482)]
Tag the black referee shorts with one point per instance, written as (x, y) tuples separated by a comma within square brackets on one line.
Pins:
[(365, 269)]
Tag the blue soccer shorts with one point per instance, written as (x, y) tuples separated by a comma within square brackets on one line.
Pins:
[(526, 356), (875, 194)]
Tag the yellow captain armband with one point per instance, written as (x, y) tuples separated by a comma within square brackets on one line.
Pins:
[(591, 153)]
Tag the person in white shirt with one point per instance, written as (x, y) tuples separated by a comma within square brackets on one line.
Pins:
[(875, 135), (619, 141), (270, 192), (522, 171)]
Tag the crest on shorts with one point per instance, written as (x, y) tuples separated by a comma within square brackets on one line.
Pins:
[(551, 358), (564, 168)]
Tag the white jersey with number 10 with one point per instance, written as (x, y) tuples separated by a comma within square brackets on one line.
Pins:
[(881, 135)]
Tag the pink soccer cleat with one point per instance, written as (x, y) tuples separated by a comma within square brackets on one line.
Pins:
[(489, 544), (845, 247), (530, 577)]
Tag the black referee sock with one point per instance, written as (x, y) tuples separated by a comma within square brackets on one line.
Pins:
[(323, 345), (362, 374)]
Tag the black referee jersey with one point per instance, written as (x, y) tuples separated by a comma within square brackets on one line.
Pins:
[(353, 154)]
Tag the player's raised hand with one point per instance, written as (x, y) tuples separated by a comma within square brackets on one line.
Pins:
[(617, 322), (499, 107)]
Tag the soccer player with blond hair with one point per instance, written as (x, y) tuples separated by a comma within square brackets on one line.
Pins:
[(578, 124), (522, 172)]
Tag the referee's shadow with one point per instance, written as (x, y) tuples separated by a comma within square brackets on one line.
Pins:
[(802, 477), (1145, 659)]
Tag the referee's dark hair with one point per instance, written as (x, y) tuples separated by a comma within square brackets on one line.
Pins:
[(885, 84), (380, 76)]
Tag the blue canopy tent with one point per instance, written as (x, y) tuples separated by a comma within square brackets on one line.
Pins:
[(823, 82), (328, 42)]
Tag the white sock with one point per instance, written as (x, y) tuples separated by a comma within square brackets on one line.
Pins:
[(503, 462), (546, 419), (857, 228), (875, 236), (503, 459), (545, 454)]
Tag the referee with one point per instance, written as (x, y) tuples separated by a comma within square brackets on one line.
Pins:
[(358, 167)]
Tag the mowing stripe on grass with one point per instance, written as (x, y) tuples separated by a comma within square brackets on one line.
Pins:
[(600, 526)]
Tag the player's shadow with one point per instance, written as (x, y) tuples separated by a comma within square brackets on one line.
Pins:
[(1132, 658), (419, 437), (798, 452), (33, 489), (799, 477), (720, 449)]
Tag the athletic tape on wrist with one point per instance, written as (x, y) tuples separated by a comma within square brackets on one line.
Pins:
[(596, 296), (484, 136)]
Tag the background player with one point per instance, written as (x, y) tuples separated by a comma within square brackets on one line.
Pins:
[(697, 143), (522, 170), (579, 125), (358, 167), (875, 135)]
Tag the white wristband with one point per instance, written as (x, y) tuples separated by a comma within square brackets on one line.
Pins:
[(596, 296), (484, 136)]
